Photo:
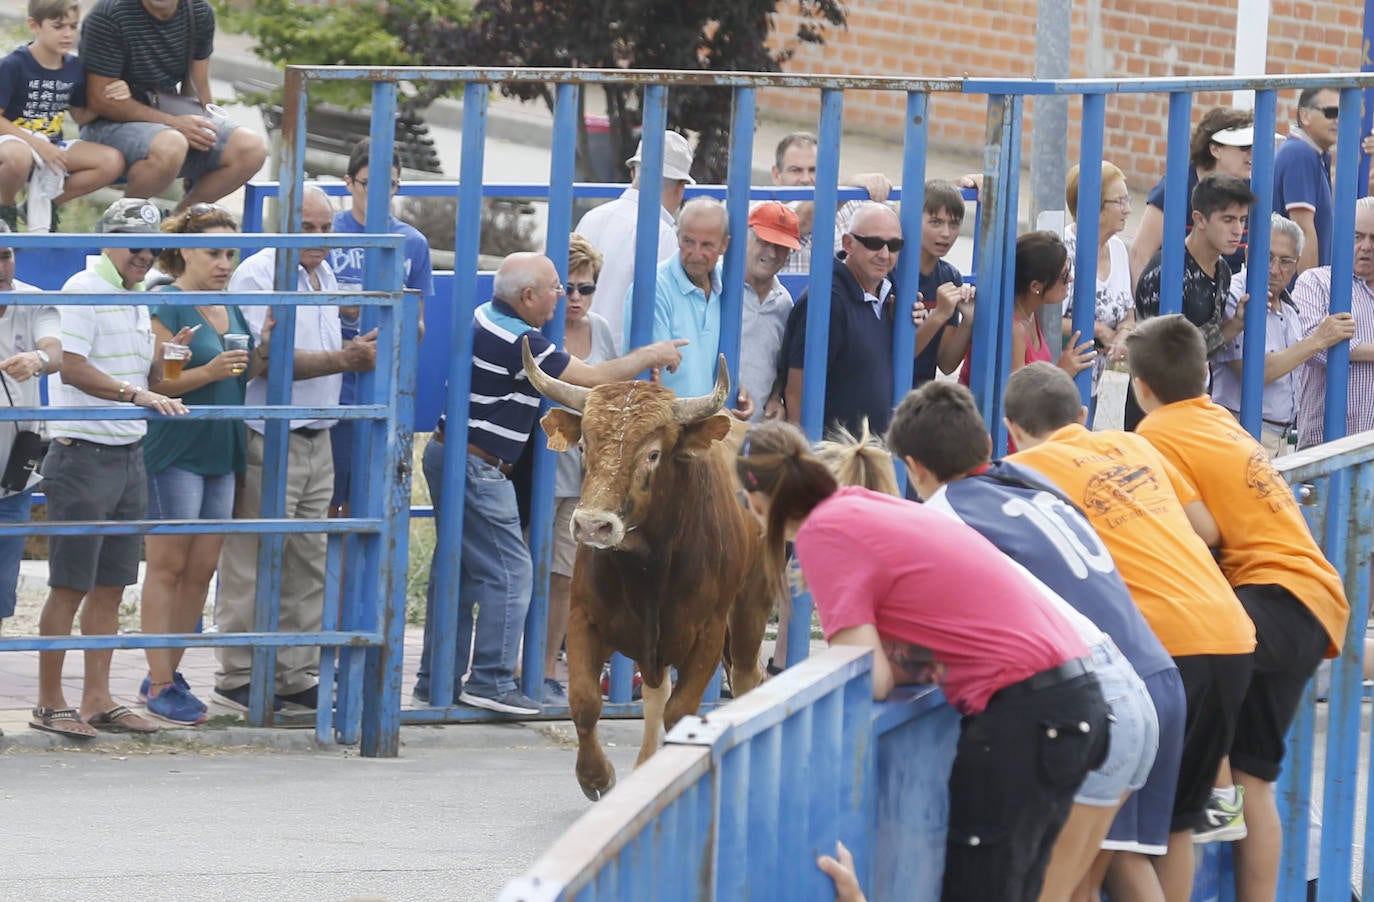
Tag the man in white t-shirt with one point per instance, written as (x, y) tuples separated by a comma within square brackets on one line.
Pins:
[(29, 348), (320, 358), (94, 471), (612, 227)]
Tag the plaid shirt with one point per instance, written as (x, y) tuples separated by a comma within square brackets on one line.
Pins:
[(1312, 294)]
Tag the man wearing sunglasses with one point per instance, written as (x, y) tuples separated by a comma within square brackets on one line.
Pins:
[(859, 363), (1302, 173), (94, 471)]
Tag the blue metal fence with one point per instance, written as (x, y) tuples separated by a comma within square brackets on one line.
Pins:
[(368, 697)]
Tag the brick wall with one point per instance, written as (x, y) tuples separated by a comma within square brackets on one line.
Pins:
[(996, 38)]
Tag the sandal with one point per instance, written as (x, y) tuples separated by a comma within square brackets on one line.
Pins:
[(62, 721), (120, 719)]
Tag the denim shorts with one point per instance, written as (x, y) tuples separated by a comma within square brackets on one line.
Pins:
[(1134, 731), (134, 138), (177, 494)]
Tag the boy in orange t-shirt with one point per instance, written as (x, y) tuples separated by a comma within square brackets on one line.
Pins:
[(1291, 592), (1150, 518)]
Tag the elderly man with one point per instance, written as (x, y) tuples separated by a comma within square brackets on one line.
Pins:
[(687, 300), (794, 164), (320, 357), (94, 471), (774, 234), (1312, 294), (612, 227), (162, 48), (1302, 173), (859, 359), (30, 346), (496, 572), (1286, 348)]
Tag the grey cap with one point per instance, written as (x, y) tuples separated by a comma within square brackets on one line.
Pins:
[(130, 214)]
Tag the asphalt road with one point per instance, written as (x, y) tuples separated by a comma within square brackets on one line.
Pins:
[(452, 821)]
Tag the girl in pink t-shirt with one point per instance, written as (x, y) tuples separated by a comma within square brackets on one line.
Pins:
[(938, 603)]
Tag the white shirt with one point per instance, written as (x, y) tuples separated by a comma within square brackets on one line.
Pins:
[(611, 228), (317, 329), (117, 341), (761, 332), (21, 327)]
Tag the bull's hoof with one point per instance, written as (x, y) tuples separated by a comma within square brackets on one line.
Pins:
[(595, 795)]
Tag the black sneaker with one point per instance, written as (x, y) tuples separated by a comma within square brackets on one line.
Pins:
[(512, 702), (236, 699), (306, 698)]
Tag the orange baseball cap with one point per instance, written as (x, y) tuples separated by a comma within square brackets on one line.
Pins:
[(776, 223)]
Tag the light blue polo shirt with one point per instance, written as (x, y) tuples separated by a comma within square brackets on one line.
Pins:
[(682, 310)]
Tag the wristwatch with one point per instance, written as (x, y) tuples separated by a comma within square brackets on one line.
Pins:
[(43, 358)]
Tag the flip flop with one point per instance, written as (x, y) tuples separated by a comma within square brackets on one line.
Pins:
[(113, 721), (59, 721)]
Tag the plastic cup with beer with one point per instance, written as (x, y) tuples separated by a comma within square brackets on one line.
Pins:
[(236, 341), (174, 357)]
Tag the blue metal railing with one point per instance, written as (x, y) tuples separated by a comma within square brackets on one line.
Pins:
[(382, 416)]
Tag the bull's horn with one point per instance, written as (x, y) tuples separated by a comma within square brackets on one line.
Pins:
[(556, 390), (690, 410)]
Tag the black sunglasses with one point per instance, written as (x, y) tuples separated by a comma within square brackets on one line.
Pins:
[(586, 289), (135, 251), (203, 209), (877, 244), (1330, 112)]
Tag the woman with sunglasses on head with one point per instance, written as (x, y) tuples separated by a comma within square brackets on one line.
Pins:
[(192, 465), (963, 616), (588, 336), (1222, 142)]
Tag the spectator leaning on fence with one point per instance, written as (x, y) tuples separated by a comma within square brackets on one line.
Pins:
[(162, 48), (319, 356), (496, 571), (1291, 592), (1286, 348), (1312, 294), (587, 336), (192, 464), (1153, 522), (94, 471), (30, 347), (612, 227), (1006, 657), (39, 84), (347, 264)]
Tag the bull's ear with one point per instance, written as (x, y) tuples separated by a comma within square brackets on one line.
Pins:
[(699, 436), (564, 428)]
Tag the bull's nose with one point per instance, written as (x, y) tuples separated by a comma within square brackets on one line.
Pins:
[(599, 529)]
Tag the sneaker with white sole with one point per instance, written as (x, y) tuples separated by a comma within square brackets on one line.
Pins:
[(176, 706), (512, 702), (1223, 821)]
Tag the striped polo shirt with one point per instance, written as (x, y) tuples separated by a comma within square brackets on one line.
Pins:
[(503, 405), (117, 340)]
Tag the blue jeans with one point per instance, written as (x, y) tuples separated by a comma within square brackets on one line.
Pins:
[(496, 575), (14, 509), (177, 494)]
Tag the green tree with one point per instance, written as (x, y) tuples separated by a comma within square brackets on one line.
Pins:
[(690, 35)]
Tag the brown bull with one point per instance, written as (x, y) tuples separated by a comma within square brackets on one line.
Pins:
[(667, 556)]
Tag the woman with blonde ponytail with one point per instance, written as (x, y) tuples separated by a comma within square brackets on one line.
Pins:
[(937, 603)]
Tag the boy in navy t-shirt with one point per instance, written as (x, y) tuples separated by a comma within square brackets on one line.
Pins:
[(39, 83), (944, 325)]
